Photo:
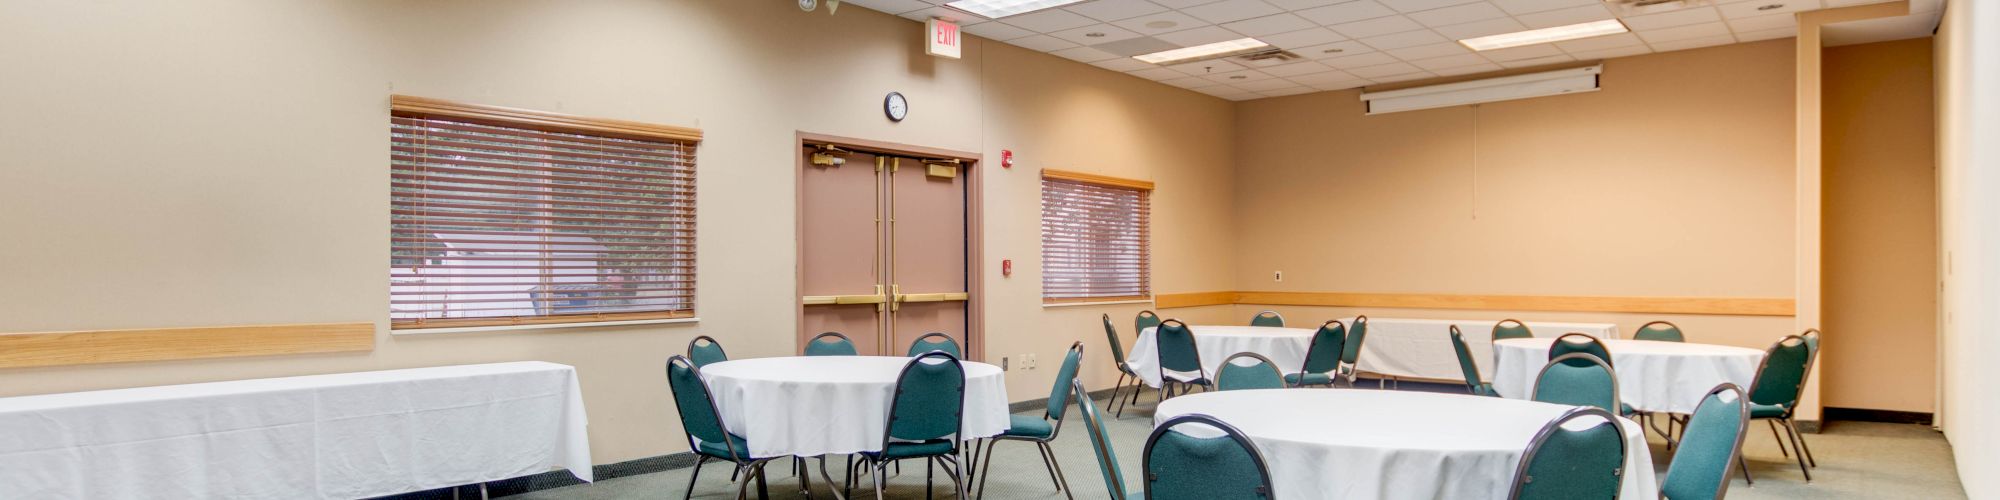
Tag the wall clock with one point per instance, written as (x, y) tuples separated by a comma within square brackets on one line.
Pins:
[(896, 106), (808, 5)]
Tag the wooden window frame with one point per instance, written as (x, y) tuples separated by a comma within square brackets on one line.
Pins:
[(1146, 246)]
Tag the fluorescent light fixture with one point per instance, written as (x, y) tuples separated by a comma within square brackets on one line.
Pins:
[(1217, 49), (1546, 35), (1506, 88), (995, 9)]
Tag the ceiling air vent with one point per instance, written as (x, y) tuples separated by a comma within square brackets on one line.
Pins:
[(1637, 7), (1268, 57)]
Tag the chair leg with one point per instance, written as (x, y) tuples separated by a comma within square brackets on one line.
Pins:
[(1050, 465), (763, 490), (879, 469), (1744, 463), (830, 483), (1798, 451), (1803, 447), (986, 465), (1062, 482), (930, 464), (1780, 438), (698, 460)]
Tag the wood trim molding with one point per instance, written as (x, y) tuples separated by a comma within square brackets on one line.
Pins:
[(20, 350), (414, 324), (1101, 180), (425, 106), (1722, 306)]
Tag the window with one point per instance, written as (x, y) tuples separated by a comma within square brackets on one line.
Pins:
[(1095, 238), (501, 216)]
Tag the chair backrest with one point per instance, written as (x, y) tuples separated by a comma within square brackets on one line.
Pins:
[(1146, 319), (1709, 446), (1465, 364), (1100, 441), (1812, 344), (1328, 345), (1180, 466), (1059, 395), (1662, 331), (1578, 379), (700, 419), (1117, 346), (1782, 374), (831, 344), (1511, 329), (929, 398), (1267, 318), (1357, 333), (704, 351), (1258, 372), (1564, 463), (1175, 343), (935, 341), (1579, 342)]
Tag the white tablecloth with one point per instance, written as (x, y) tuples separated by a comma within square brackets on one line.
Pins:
[(1421, 348), (1285, 346), (1653, 376), (1363, 444), (817, 405), (347, 435)]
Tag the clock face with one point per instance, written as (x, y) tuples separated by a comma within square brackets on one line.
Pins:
[(808, 5), (896, 106)]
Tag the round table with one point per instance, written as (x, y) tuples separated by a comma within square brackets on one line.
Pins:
[(1361, 444), (1285, 346), (809, 406), (1653, 376)]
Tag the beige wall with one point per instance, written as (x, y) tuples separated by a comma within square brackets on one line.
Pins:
[(225, 162), (1674, 180), (1880, 227), (1968, 160)]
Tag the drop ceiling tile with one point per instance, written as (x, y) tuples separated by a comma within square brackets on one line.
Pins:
[(1761, 23), (1381, 70), (1301, 4), (1481, 28), (997, 31), (1600, 43), (1518, 7), (1164, 22), (1330, 77), (1671, 19), (1694, 43), (1346, 12), (1376, 26), (1239, 77), (1158, 74), (1352, 84), (1449, 61), (1124, 64), (1181, 4), (1294, 90), (1434, 50), (1269, 25), (1198, 36), (1114, 10), (1085, 54), (1042, 43), (1049, 21), (1335, 49), (1469, 70), (1770, 34), (1405, 40), (1191, 82), (953, 15), (1612, 53), (1266, 85), (1356, 61), (1226, 92), (891, 6), (1458, 15), (1105, 33), (1296, 69), (1231, 10), (1268, 62), (1519, 53), (1539, 61), (1566, 16), (1205, 68), (1754, 9), (1302, 38), (1684, 32), (1404, 77), (1408, 6)]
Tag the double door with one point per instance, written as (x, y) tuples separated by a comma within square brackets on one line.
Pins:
[(883, 247)]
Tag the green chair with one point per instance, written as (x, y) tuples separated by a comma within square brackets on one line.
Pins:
[(1563, 464), (1179, 466), (1146, 319), (1100, 441), (1322, 356), (1124, 369), (1268, 318), (1040, 430), (935, 341), (1578, 342), (1178, 357), (1260, 373), (1512, 329), (1578, 379), (708, 437), (1812, 342), (1714, 433), (831, 344), (1473, 382), (704, 351), (1775, 395), (1350, 351), (1659, 331), (924, 419)]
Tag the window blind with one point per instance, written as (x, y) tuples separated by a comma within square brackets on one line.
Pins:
[(1095, 240), (495, 224)]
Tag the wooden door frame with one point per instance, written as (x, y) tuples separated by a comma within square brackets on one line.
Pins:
[(975, 229)]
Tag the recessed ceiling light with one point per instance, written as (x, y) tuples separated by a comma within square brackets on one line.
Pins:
[(996, 9), (1545, 35), (1217, 49)]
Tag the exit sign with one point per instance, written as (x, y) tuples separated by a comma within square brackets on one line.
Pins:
[(941, 38)]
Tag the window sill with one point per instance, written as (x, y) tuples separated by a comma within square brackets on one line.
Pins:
[(543, 326), (1147, 300)]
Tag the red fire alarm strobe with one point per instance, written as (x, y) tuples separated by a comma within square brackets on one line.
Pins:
[(1006, 158), (1006, 267)]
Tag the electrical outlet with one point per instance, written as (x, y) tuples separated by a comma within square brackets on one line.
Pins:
[(1004, 366), (1031, 360), (1277, 275)]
